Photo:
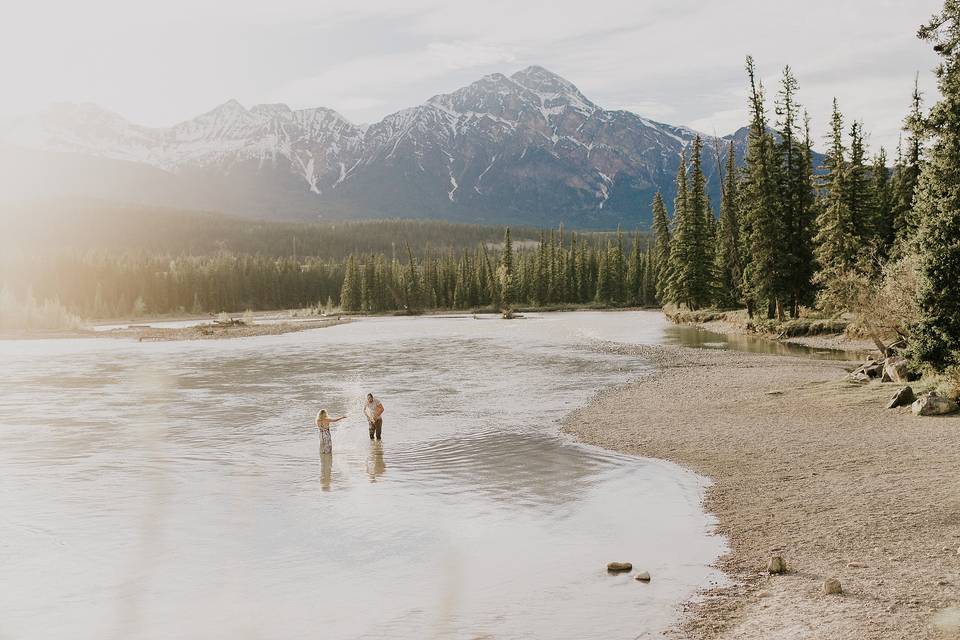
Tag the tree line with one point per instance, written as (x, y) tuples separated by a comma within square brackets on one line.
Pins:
[(786, 230), (558, 270)]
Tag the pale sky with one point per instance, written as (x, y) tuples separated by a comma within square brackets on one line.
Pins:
[(677, 61)]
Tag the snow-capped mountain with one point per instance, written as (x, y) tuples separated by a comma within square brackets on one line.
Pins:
[(527, 148)]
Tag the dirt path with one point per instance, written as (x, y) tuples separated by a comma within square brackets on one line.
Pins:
[(814, 468)]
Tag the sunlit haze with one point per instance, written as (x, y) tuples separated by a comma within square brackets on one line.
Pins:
[(676, 61)]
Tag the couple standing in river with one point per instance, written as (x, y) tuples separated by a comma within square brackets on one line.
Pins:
[(372, 409)]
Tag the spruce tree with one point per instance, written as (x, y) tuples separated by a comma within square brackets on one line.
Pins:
[(859, 190), (837, 234), (634, 293), (796, 199), (413, 289), (618, 269), (661, 248), (505, 273), (907, 172), (884, 203), (674, 292), (350, 294), (698, 274), (759, 207), (727, 256), (937, 205)]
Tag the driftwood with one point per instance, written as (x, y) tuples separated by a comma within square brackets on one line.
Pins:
[(230, 322)]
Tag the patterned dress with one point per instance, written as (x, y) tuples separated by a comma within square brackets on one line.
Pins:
[(326, 443)]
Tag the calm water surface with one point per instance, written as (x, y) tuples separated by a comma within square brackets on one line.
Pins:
[(175, 490)]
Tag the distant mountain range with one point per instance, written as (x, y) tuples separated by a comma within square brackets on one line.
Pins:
[(525, 149)]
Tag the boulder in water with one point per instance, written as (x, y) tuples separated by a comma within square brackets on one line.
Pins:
[(643, 576), (619, 567)]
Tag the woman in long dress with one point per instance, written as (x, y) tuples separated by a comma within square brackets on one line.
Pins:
[(323, 425)]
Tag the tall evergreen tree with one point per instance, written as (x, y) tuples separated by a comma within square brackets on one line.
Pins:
[(634, 293), (505, 273), (674, 292), (727, 256), (837, 234), (937, 204), (796, 199), (661, 248), (351, 295), (884, 203), (413, 289), (907, 172), (859, 190), (759, 208)]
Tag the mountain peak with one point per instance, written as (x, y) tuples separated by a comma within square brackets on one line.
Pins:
[(552, 88), (270, 109), (230, 106)]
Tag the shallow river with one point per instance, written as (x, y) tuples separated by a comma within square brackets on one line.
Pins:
[(175, 490)]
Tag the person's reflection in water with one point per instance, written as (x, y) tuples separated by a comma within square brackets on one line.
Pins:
[(375, 464), (326, 470)]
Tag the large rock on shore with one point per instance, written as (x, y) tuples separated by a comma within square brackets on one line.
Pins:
[(832, 586), (932, 404), (901, 398), (896, 370)]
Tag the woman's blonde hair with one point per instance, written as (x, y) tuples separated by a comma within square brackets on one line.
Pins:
[(322, 414)]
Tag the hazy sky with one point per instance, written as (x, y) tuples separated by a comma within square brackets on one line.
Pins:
[(677, 61)]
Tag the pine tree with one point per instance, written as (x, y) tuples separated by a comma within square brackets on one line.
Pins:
[(674, 290), (761, 222), (859, 190), (350, 294), (796, 199), (661, 247), (837, 238), (727, 255), (937, 204), (634, 293), (413, 288), (698, 271), (884, 203), (505, 273), (618, 270), (907, 172)]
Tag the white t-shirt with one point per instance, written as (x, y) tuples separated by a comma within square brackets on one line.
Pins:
[(370, 410)]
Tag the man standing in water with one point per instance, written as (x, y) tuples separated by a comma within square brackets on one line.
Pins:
[(374, 410)]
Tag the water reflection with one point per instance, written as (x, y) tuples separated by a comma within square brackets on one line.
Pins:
[(375, 463), (692, 336), (326, 470)]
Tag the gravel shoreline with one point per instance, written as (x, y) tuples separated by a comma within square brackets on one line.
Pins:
[(810, 467)]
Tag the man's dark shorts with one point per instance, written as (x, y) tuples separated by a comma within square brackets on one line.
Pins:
[(375, 427)]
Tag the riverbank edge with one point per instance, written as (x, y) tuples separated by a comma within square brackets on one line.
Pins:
[(147, 333), (778, 423), (728, 323)]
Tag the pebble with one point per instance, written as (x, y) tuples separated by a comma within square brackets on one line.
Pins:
[(777, 565), (832, 586)]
